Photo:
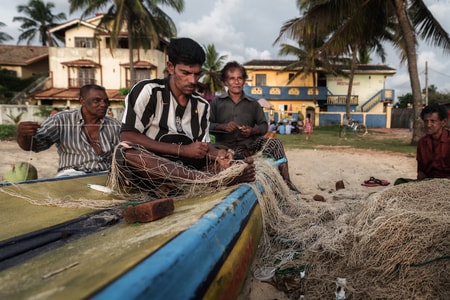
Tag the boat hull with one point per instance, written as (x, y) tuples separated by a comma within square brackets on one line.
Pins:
[(203, 250)]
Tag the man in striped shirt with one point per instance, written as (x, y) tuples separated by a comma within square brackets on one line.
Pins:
[(85, 138), (165, 129)]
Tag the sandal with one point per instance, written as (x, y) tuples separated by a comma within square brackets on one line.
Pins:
[(375, 182)]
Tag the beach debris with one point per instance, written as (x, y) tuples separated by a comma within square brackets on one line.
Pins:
[(340, 288), (48, 275), (319, 198), (264, 273), (340, 185), (101, 188)]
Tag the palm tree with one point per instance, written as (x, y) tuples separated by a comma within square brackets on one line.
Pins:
[(4, 36), (38, 22), (146, 23), (397, 21), (343, 53), (211, 70), (309, 57)]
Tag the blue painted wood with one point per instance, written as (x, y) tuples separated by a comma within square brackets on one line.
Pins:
[(185, 267)]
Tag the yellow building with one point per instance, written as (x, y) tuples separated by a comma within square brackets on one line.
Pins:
[(292, 101)]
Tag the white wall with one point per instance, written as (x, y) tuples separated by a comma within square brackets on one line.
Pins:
[(365, 86), (30, 110)]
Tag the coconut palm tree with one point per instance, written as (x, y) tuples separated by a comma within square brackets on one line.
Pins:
[(145, 22), (38, 21), (343, 54), (211, 71), (4, 37), (309, 57), (397, 21)]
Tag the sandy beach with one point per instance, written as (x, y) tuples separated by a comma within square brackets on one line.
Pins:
[(314, 171)]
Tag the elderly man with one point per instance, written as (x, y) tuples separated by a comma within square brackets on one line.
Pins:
[(85, 137), (238, 121)]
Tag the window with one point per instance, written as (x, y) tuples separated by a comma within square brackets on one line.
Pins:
[(291, 76), (84, 42), (260, 79), (86, 76), (142, 74), (122, 43)]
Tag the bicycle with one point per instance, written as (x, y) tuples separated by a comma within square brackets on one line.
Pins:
[(355, 127)]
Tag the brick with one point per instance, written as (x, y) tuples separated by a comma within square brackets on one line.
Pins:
[(148, 211)]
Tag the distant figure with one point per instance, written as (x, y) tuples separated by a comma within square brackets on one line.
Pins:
[(273, 127), (308, 128), (288, 128), (343, 127), (54, 111), (110, 113), (281, 128)]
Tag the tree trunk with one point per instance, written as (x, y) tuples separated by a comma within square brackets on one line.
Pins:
[(131, 58), (411, 55), (350, 83), (131, 52)]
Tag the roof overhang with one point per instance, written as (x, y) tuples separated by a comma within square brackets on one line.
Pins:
[(81, 63)]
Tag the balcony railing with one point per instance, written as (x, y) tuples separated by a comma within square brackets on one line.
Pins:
[(79, 82), (287, 92), (340, 99)]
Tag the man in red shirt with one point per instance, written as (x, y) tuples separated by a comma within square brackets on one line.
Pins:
[(433, 150)]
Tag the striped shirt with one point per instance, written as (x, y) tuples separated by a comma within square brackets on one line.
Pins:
[(152, 109), (65, 130)]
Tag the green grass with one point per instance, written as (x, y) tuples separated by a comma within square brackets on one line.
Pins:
[(329, 137)]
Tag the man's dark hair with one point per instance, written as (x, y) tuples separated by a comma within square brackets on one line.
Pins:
[(441, 110), (232, 65), (186, 51), (86, 88)]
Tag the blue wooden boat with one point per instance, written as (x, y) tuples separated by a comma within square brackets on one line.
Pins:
[(202, 251)]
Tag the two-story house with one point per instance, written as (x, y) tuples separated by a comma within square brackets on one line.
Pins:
[(268, 80), (87, 58)]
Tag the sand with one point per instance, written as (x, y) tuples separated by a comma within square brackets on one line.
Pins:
[(313, 171)]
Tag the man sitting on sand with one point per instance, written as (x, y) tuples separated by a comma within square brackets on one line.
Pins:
[(433, 150)]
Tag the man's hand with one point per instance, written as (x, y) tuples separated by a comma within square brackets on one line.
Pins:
[(25, 132), (195, 150), (246, 131), (224, 158), (27, 128), (231, 126)]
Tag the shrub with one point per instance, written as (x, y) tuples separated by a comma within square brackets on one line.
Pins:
[(7, 132)]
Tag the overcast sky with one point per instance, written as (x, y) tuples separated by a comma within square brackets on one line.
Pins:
[(246, 30)]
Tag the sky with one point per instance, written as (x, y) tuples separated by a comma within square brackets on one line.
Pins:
[(246, 30)]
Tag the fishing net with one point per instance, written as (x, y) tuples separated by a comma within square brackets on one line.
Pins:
[(166, 178), (393, 244)]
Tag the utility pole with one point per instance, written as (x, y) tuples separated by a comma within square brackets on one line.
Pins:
[(426, 83)]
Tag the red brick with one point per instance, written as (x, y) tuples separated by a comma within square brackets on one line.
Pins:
[(148, 211)]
